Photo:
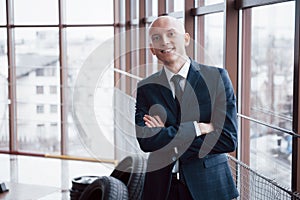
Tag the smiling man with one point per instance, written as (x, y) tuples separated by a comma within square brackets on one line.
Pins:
[(168, 42), (186, 118)]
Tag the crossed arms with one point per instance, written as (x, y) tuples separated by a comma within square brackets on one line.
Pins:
[(154, 133)]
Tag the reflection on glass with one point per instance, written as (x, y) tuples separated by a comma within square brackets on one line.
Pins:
[(89, 12), (2, 12), (37, 68), (81, 43), (210, 51), (4, 129), (35, 12), (272, 55)]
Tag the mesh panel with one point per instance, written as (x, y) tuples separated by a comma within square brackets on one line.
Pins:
[(254, 186)]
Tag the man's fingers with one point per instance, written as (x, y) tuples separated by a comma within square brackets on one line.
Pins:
[(149, 121), (148, 124), (154, 121)]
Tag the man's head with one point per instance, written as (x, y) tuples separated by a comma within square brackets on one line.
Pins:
[(168, 40)]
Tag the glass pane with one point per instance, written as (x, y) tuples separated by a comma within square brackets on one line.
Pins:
[(2, 12), (178, 5), (210, 51), (36, 12), (207, 2), (83, 44), (89, 12), (272, 57), (210, 2), (134, 9), (271, 97), (4, 129), (271, 153), (154, 7), (37, 63)]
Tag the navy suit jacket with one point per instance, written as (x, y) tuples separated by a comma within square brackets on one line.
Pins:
[(208, 97)]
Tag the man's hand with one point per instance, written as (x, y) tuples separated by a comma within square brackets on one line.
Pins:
[(205, 128), (154, 121)]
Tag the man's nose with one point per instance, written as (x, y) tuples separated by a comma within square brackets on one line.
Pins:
[(165, 40)]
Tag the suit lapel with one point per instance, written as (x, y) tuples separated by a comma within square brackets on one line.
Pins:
[(194, 81), (194, 88)]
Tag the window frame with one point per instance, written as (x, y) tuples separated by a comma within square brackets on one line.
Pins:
[(49, 71)]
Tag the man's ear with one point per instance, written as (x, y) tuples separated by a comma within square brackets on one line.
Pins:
[(152, 49), (187, 39)]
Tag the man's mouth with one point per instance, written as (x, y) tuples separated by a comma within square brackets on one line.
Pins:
[(167, 50)]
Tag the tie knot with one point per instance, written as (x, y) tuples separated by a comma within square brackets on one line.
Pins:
[(176, 79)]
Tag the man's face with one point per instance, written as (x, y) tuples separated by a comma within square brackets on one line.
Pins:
[(168, 41)]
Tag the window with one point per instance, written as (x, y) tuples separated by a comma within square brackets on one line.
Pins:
[(210, 2), (50, 71), (40, 129), (37, 56), (2, 12), (82, 44), (91, 12), (53, 108), (40, 109), (4, 101), (43, 12), (271, 72), (39, 89), (213, 39), (42, 48), (53, 129), (178, 5), (54, 124), (39, 72), (53, 89)]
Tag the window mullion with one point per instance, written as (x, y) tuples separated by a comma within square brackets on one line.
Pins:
[(63, 79), (296, 104), (11, 78)]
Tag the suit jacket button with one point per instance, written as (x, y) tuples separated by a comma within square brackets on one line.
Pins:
[(174, 158)]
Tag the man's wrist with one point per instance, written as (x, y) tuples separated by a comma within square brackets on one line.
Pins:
[(197, 129)]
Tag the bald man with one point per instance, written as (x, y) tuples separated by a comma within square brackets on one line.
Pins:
[(186, 118)]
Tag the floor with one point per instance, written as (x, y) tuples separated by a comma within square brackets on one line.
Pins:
[(37, 178)]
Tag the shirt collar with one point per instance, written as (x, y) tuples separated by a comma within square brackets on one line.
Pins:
[(183, 71)]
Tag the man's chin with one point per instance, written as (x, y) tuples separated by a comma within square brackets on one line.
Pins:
[(168, 59)]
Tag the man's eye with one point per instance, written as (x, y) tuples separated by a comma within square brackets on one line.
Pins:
[(171, 34), (156, 38)]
